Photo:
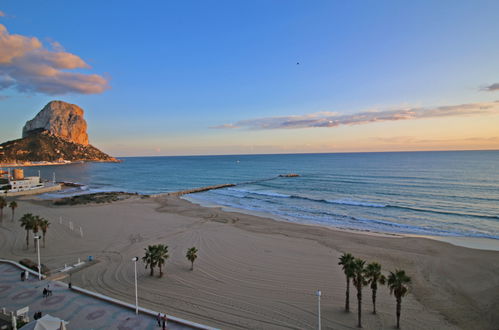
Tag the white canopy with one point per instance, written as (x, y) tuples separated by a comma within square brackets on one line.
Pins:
[(47, 322)]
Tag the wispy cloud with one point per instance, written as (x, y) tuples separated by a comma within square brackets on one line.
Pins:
[(333, 119), (28, 66), (492, 88)]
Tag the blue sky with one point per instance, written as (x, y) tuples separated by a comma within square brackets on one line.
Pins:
[(178, 69)]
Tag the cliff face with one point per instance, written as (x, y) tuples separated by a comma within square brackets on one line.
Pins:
[(61, 119), (57, 133), (45, 146)]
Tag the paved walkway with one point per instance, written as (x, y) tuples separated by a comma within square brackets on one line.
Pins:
[(81, 311)]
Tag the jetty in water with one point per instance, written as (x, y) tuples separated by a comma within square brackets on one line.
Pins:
[(196, 190), (220, 186)]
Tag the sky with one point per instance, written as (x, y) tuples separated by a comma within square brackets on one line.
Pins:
[(262, 76)]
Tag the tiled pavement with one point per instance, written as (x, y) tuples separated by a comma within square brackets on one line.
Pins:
[(83, 312)]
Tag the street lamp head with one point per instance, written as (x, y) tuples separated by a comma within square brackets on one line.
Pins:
[(36, 237), (318, 293), (135, 259)]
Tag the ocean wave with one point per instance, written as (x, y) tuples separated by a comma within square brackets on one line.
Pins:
[(244, 193), (343, 221), (260, 192), (354, 203), (279, 195), (459, 214)]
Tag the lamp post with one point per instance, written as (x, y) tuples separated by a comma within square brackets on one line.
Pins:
[(37, 238), (135, 259), (318, 294)]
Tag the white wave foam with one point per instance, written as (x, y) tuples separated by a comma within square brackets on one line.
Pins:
[(260, 192), (354, 203)]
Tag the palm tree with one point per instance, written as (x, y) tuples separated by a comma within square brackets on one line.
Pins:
[(398, 282), (35, 226), (359, 281), (346, 260), (13, 206), (374, 276), (150, 258), (27, 221), (161, 256), (192, 255), (3, 203), (44, 226)]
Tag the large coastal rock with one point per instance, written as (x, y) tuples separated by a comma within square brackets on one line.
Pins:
[(62, 119), (43, 146), (58, 133)]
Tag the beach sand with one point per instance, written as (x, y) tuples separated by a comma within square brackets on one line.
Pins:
[(258, 273)]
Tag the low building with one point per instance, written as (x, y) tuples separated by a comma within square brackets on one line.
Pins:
[(16, 183), (27, 183)]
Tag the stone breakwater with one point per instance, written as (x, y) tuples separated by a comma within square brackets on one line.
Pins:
[(43, 190), (195, 190)]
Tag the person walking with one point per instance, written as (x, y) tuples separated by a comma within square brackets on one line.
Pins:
[(158, 318), (164, 321)]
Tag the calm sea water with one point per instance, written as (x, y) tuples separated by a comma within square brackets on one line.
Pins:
[(429, 193)]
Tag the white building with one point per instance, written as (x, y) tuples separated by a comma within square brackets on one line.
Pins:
[(14, 183), (28, 183)]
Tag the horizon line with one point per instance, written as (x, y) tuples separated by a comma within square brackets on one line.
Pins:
[(309, 153)]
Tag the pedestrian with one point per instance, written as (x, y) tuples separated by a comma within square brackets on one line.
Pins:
[(45, 293), (22, 276), (26, 275), (164, 321), (158, 318)]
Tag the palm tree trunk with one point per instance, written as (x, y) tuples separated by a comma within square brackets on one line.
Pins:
[(43, 239), (399, 303), (347, 297), (152, 271), (160, 271), (359, 306), (12, 215), (192, 265), (374, 301), (27, 239)]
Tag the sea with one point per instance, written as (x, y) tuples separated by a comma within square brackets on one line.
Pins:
[(444, 193)]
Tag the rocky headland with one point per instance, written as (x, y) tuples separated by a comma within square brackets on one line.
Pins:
[(62, 119), (57, 134)]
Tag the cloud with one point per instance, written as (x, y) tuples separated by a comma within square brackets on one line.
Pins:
[(332, 119), (25, 64), (492, 88)]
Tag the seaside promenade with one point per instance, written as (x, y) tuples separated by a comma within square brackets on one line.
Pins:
[(81, 311)]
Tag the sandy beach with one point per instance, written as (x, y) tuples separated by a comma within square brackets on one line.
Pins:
[(258, 273)]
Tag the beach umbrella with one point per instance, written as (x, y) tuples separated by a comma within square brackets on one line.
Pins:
[(47, 322)]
